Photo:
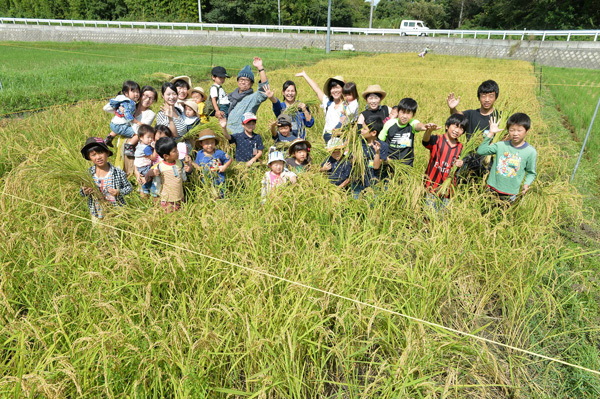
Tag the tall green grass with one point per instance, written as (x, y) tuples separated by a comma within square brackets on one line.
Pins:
[(89, 311), (44, 74)]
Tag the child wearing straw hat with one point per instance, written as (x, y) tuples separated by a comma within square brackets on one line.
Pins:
[(374, 95), (299, 156), (197, 94), (337, 167), (191, 114), (277, 176), (210, 160)]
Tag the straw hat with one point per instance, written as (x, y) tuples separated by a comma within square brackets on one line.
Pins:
[(335, 143), (184, 78), (374, 89), (326, 85), (295, 143), (199, 90), (208, 134), (192, 104)]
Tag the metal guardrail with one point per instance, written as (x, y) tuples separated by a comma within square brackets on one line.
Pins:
[(477, 34)]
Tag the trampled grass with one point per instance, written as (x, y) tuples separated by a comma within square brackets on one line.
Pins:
[(89, 311), (35, 75)]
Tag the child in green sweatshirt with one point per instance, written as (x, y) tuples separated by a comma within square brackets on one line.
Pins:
[(515, 158)]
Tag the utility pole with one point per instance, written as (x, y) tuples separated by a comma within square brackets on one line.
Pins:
[(199, 11), (371, 18), (279, 11), (328, 48)]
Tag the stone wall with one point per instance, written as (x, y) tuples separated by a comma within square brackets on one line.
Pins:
[(580, 54)]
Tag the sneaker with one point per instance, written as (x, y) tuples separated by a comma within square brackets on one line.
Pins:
[(129, 150), (108, 140)]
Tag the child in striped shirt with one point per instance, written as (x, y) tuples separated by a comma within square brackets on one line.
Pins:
[(445, 152)]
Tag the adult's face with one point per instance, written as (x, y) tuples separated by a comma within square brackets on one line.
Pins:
[(290, 94), (147, 99), (170, 96), (373, 101), (244, 84)]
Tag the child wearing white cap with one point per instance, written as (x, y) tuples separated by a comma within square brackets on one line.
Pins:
[(277, 176)]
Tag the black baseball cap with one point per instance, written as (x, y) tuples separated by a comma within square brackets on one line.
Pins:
[(92, 142), (220, 72)]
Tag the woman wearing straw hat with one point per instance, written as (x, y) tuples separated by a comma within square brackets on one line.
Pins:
[(332, 101), (374, 95)]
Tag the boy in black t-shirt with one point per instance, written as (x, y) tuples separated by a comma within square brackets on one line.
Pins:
[(399, 133), (478, 121)]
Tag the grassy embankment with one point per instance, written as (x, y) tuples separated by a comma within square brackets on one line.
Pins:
[(577, 105), (44, 74), (92, 312)]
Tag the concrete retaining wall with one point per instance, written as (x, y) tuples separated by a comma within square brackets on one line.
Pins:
[(563, 54)]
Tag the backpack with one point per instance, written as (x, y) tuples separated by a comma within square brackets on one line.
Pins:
[(209, 110)]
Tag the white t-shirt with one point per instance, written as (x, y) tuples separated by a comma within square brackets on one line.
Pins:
[(332, 115), (218, 92), (146, 118)]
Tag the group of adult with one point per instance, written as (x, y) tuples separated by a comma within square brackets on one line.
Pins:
[(331, 98)]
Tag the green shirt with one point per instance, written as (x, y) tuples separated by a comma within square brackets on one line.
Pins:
[(510, 166)]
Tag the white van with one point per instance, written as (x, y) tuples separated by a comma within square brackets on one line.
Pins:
[(413, 27)]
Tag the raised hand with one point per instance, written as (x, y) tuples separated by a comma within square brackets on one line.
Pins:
[(258, 63), (301, 74), (494, 128), (431, 127), (326, 166), (452, 101), (268, 92), (223, 122)]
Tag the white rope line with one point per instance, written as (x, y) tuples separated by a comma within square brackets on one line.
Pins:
[(299, 284)]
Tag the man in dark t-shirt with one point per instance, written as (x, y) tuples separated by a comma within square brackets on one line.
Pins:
[(479, 121)]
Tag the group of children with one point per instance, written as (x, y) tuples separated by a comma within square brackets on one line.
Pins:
[(386, 134)]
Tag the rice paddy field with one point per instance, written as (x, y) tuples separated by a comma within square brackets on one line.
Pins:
[(231, 299)]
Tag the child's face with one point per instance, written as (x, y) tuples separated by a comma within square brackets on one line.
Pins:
[(182, 93), (290, 94), (100, 159), (172, 156), (405, 116), (487, 100), (337, 154), (300, 155), (189, 112), (147, 138), (373, 101), (276, 167), (159, 135), (219, 79), (284, 130), (209, 145), (366, 132), (249, 127), (133, 94), (349, 98), (517, 135), (197, 97), (454, 131)]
